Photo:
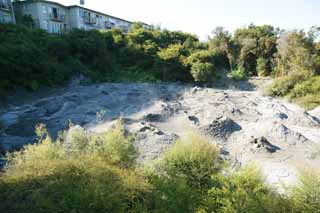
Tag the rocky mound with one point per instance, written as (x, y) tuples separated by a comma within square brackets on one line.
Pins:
[(221, 128)]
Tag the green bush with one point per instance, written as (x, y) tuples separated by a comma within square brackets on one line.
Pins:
[(31, 58), (309, 86), (283, 85), (86, 175), (202, 72), (194, 160), (302, 88), (81, 172), (305, 196), (184, 174), (262, 67), (239, 74), (242, 191)]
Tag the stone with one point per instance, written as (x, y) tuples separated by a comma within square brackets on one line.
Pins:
[(194, 119), (281, 133), (153, 117), (222, 127), (262, 144)]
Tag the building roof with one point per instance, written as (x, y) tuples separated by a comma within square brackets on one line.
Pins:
[(74, 6), (33, 1)]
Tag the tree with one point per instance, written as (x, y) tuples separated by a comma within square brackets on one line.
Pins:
[(255, 42), (221, 42), (295, 52)]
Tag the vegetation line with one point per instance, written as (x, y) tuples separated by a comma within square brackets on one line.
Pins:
[(31, 58)]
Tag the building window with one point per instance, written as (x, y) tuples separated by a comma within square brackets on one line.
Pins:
[(55, 12)]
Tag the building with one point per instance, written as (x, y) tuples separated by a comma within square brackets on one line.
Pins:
[(46, 15), (57, 18), (83, 18), (6, 12)]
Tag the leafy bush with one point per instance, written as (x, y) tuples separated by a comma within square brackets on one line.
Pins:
[(309, 86), (283, 85), (194, 160), (309, 101), (305, 196), (239, 74), (242, 191), (184, 175), (202, 72), (301, 88), (82, 172), (94, 174), (262, 67), (32, 58)]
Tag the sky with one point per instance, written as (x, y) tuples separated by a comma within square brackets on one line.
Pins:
[(200, 17)]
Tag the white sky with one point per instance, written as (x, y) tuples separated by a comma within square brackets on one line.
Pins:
[(201, 16)]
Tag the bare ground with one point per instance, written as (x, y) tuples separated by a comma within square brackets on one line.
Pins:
[(248, 127)]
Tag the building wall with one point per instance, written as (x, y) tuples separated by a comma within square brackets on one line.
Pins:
[(53, 18), (6, 12), (66, 18), (86, 19), (74, 18)]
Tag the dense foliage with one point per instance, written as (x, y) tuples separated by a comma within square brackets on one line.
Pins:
[(32, 58), (83, 172)]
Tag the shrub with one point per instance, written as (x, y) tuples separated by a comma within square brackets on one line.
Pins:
[(301, 88), (184, 175), (202, 72), (242, 191), (239, 74), (283, 85), (92, 177), (194, 160), (204, 56), (305, 196), (262, 67), (309, 101), (309, 86)]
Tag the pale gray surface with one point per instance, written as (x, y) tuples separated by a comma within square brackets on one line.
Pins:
[(160, 113)]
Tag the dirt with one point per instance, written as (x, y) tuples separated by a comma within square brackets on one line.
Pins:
[(248, 127)]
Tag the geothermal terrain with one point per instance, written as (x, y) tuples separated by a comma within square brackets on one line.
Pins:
[(248, 127)]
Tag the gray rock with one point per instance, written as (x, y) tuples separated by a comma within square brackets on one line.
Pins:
[(147, 127), (222, 127), (282, 116), (281, 133), (262, 144), (194, 119), (153, 117)]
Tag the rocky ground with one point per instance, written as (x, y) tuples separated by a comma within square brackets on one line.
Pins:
[(248, 127)]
